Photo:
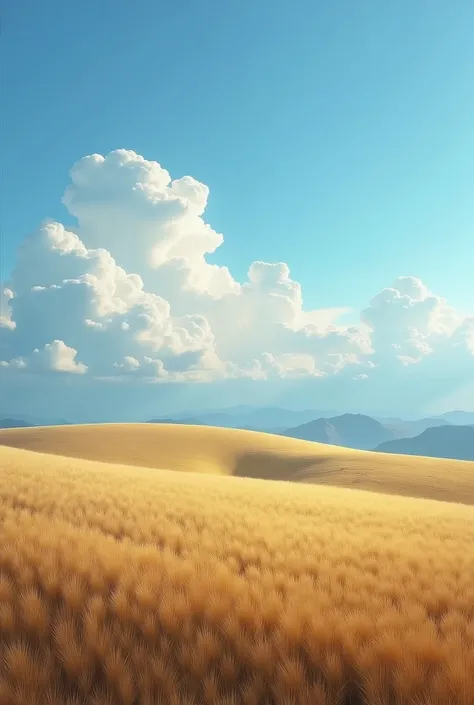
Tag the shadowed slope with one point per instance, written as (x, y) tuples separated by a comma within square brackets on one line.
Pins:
[(250, 454)]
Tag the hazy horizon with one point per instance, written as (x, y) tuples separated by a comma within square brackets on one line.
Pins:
[(235, 411)]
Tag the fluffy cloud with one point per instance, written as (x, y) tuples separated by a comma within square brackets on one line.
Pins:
[(127, 295), (409, 322), (53, 357), (132, 208)]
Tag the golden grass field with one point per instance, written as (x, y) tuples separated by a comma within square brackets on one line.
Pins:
[(135, 584)]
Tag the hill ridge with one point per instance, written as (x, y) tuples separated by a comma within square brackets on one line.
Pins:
[(208, 450)]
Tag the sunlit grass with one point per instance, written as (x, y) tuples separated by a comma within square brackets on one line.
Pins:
[(143, 586)]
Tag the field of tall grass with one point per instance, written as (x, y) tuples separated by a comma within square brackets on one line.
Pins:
[(140, 586)]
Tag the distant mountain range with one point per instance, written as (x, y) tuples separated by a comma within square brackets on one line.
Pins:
[(408, 429), (275, 419), (14, 423), (460, 418), (430, 437), (27, 421), (351, 430), (442, 442), (270, 419)]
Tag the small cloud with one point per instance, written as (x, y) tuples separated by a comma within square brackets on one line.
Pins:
[(53, 357)]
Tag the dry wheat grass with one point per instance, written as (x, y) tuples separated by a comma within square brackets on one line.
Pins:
[(141, 587)]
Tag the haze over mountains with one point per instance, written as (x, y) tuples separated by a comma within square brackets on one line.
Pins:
[(350, 430), (443, 442), (358, 431), (277, 419), (15, 423), (270, 419), (460, 418)]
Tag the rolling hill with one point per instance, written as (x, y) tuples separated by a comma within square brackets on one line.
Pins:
[(209, 450), (443, 442)]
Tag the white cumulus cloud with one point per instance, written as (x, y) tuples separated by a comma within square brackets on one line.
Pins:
[(53, 357), (127, 294), (409, 321)]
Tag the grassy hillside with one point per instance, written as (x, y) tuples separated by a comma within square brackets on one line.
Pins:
[(250, 454), (139, 586)]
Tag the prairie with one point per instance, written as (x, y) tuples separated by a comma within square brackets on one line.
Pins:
[(130, 574)]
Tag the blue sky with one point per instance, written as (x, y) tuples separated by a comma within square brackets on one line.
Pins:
[(335, 137)]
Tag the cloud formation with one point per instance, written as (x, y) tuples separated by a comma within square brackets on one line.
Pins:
[(127, 295), (54, 357)]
